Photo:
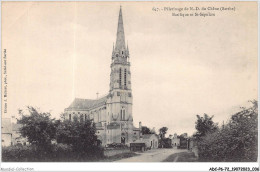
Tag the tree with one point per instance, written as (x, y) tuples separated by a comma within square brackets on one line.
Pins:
[(38, 128), (204, 125), (243, 128), (236, 141), (81, 135), (146, 130), (163, 142), (162, 132)]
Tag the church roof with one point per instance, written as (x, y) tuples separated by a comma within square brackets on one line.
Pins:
[(79, 104)]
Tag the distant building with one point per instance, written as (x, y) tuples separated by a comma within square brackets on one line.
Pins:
[(111, 113), (175, 141), (16, 135), (6, 130), (152, 140), (11, 133)]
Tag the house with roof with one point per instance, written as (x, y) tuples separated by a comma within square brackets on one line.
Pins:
[(175, 141), (17, 138), (11, 134), (6, 131), (151, 140)]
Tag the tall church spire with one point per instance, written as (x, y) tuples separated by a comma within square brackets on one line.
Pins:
[(120, 36)]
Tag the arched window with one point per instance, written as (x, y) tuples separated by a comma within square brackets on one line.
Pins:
[(70, 117), (122, 114), (125, 77), (120, 76), (81, 118), (85, 117)]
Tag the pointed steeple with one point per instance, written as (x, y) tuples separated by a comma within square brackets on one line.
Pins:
[(120, 36)]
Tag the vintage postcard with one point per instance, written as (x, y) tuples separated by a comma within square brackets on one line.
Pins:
[(129, 82)]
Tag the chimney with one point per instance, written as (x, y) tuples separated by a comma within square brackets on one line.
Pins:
[(140, 125), (140, 128)]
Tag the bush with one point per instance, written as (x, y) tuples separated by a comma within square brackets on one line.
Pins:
[(19, 153), (165, 143), (82, 138), (56, 153), (235, 142), (39, 128), (117, 145)]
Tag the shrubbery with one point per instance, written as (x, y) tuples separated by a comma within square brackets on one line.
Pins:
[(38, 128), (18, 153), (80, 136), (117, 146), (56, 153), (234, 142), (165, 143), (77, 140)]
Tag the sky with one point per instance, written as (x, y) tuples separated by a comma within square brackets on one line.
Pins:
[(180, 66)]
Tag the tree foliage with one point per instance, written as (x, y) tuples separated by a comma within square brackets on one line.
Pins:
[(81, 135), (146, 130), (78, 138), (162, 132), (204, 125), (236, 141), (164, 142), (38, 127)]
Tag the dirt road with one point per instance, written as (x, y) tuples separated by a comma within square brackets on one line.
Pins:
[(155, 155)]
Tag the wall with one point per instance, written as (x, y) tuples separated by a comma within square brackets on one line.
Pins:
[(154, 140), (6, 139), (113, 152)]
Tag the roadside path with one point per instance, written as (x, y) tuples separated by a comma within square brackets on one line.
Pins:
[(155, 155)]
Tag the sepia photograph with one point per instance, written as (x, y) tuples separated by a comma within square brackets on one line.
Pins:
[(129, 82)]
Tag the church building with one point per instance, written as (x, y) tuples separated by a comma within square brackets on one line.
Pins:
[(112, 113)]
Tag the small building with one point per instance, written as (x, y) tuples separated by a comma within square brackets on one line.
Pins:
[(11, 133), (16, 135), (152, 140), (6, 130), (175, 141)]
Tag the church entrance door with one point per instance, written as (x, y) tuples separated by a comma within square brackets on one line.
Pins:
[(123, 140)]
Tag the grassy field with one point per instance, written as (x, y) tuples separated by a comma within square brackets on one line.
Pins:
[(182, 157)]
